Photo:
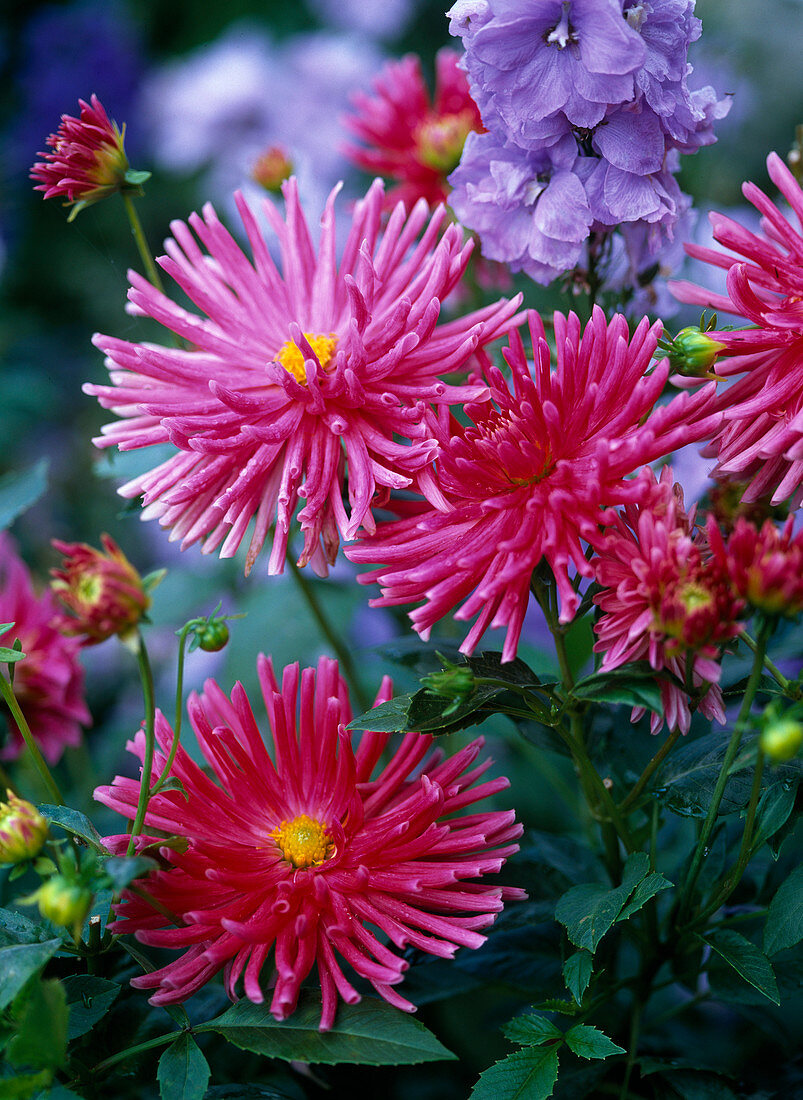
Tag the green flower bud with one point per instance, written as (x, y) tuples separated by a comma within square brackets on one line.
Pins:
[(693, 352), (63, 902), (782, 739), (212, 635), (23, 830), (455, 682)]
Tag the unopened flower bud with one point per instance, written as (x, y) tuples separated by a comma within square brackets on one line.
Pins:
[(456, 682), (212, 636), (693, 352), (271, 169), (102, 590), (23, 830), (782, 739), (63, 902)]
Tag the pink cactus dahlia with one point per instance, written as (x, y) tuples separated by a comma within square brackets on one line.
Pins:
[(302, 856), (49, 681), (665, 600), (288, 375), (87, 161), (406, 137), (762, 433), (765, 564), (537, 472)]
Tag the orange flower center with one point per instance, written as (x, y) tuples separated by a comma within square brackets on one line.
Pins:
[(304, 842), (291, 357)]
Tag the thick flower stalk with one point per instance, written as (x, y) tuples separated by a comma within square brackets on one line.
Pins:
[(303, 856), (533, 477), (762, 433), (408, 137), (101, 590), (290, 376), (87, 160), (49, 681), (666, 600)]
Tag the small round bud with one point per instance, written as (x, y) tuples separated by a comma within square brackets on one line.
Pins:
[(23, 830), (63, 902), (212, 636), (455, 682), (271, 169), (693, 352), (782, 739)]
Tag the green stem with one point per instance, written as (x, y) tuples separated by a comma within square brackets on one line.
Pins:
[(146, 676), (649, 771), (333, 638), (632, 1047), (775, 672), (25, 730), (129, 1052), (142, 245), (165, 774), (734, 876), (724, 774)]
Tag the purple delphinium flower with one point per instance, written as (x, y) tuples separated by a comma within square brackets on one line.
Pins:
[(529, 208), (534, 58)]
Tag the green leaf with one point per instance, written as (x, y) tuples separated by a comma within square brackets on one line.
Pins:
[(136, 178), (19, 962), (19, 490), (73, 821), (531, 1031), (183, 1072), (247, 1092), (648, 887), (784, 927), (577, 973), (122, 870), (9, 656), (746, 959), (588, 911), (41, 1039), (590, 1042), (369, 1033), (628, 687), (89, 998), (773, 810), (690, 774), (17, 928), (23, 1087), (57, 1092), (528, 1074)]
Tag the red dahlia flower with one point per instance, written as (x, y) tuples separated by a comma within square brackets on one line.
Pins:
[(88, 160), (301, 855), (765, 564), (762, 433), (537, 472), (290, 376), (49, 681), (408, 138), (665, 600), (101, 590)]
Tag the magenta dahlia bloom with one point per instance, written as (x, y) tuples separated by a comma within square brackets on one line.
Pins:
[(665, 600), (49, 682), (300, 856), (290, 376), (533, 476), (87, 161), (761, 437), (765, 564), (406, 136)]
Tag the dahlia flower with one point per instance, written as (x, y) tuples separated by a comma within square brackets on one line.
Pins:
[(301, 856), (761, 437), (288, 375), (23, 830), (101, 590), (765, 564), (88, 160), (406, 136), (665, 600), (49, 682), (535, 474)]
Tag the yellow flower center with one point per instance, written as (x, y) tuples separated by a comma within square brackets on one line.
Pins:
[(291, 357), (88, 589), (304, 842)]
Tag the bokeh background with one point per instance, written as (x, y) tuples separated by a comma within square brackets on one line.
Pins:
[(204, 88)]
